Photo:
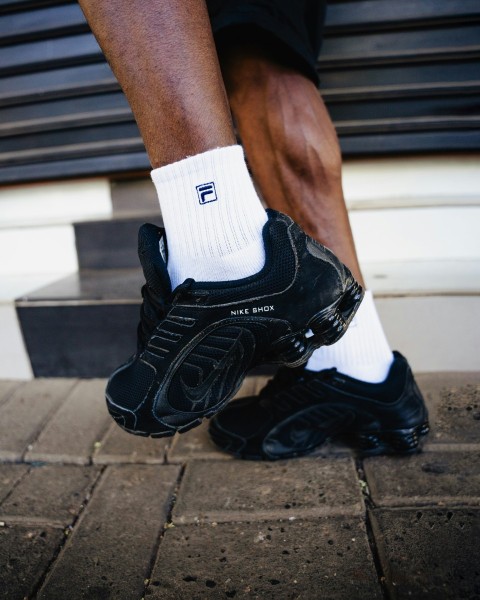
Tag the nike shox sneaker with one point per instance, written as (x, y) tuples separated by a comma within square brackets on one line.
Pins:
[(196, 343), (299, 410)]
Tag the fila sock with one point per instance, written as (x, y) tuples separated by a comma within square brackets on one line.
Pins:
[(212, 215)]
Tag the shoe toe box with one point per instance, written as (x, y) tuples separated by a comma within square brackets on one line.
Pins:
[(241, 428)]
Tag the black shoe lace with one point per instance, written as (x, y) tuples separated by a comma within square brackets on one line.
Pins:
[(279, 394), (155, 308)]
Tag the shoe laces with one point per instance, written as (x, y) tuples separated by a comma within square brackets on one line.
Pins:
[(155, 308), (280, 395)]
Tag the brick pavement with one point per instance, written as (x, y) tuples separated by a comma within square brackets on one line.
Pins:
[(90, 512)]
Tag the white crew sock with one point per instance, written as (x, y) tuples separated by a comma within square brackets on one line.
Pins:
[(212, 215), (363, 352)]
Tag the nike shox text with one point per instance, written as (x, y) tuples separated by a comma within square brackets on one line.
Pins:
[(197, 342), (252, 311)]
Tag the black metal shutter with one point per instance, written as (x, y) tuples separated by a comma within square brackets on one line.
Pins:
[(398, 77)]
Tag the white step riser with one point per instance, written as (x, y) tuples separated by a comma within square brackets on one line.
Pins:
[(435, 333), (417, 233), (412, 181)]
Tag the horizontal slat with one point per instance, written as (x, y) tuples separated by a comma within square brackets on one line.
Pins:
[(417, 74), (417, 124), (64, 51), (426, 107), (54, 141), (18, 5), (439, 55), (411, 45), (77, 120), (62, 107), (44, 23), (410, 143), (77, 150), (129, 162), (64, 114), (59, 83), (384, 13), (392, 92)]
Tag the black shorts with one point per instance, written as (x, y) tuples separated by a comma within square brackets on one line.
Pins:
[(295, 27)]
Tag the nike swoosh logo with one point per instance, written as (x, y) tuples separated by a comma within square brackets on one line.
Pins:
[(201, 392), (325, 420)]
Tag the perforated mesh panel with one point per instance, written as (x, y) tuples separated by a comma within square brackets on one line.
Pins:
[(130, 386)]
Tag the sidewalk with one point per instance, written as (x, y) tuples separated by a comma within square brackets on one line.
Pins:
[(88, 511)]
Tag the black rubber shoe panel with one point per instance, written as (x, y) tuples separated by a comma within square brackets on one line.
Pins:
[(197, 343), (299, 410)]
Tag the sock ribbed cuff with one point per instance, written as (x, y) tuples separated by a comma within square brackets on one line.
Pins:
[(212, 215)]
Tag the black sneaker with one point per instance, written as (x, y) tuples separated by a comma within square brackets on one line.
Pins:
[(299, 410), (196, 344)]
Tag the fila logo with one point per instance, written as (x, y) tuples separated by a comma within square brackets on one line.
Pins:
[(206, 193)]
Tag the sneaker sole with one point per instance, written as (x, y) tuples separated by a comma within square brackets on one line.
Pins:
[(394, 441), (365, 444)]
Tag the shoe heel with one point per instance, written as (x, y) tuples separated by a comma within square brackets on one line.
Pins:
[(396, 441), (327, 327), (330, 324)]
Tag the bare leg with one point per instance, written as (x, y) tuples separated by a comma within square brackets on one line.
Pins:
[(291, 146), (163, 55)]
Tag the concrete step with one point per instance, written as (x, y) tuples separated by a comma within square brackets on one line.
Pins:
[(89, 319), (109, 244), (83, 325)]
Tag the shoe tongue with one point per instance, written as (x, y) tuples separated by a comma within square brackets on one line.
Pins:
[(154, 265)]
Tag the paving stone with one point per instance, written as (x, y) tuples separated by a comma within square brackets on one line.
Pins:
[(26, 411), (196, 443), (430, 478), (326, 558), (6, 388), (453, 400), (9, 476), (25, 553), (118, 446), (51, 493), (221, 491), (333, 448), (429, 553), (77, 426), (110, 549)]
